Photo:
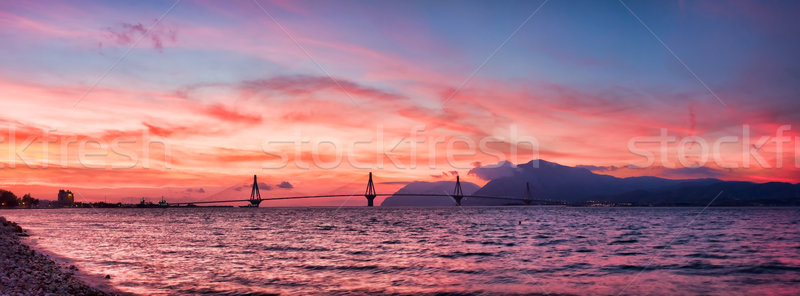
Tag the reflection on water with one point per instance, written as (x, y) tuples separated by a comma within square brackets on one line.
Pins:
[(525, 250)]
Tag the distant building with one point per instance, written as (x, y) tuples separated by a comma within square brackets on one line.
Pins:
[(65, 198)]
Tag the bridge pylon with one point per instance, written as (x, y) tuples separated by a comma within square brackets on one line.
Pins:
[(527, 199), (255, 195), (457, 193), (370, 192)]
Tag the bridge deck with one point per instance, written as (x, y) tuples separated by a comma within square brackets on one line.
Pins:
[(350, 195)]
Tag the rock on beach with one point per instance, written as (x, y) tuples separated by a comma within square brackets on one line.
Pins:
[(23, 271)]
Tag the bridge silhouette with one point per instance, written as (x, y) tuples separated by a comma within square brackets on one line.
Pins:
[(370, 194)]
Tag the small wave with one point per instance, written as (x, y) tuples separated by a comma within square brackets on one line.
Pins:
[(622, 268), (463, 271), (680, 242), (294, 249), (630, 233), (492, 243), (467, 254), (503, 280), (702, 269), (456, 293), (359, 253), (623, 241), (632, 227), (628, 253), (701, 265), (770, 268), (112, 262), (345, 267), (209, 291), (579, 265), (535, 271), (710, 256), (552, 242)]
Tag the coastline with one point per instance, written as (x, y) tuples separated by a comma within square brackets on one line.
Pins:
[(26, 271)]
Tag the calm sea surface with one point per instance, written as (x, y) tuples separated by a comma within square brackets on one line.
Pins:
[(470, 250)]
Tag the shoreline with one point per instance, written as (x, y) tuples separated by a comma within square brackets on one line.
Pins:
[(25, 270)]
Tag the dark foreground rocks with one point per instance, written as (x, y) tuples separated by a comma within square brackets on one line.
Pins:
[(24, 271)]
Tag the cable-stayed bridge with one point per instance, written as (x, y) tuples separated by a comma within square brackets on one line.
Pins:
[(370, 194)]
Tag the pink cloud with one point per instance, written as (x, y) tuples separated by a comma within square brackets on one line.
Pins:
[(221, 112), (127, 34)]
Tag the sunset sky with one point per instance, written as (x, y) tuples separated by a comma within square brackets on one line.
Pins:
[(198, 96)]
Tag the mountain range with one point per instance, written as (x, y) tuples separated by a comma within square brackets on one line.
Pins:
[(577, 185)]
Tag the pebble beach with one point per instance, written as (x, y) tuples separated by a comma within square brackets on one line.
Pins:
[(24, 271)]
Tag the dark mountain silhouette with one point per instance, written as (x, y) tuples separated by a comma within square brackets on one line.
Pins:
[(441, 187), (731, 193), (552, 181)]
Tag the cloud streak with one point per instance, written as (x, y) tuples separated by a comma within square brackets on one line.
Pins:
[(126, 33)]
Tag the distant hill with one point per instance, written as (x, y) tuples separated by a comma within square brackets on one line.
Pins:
[(441, 187), (731, 193), (552, 181)]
